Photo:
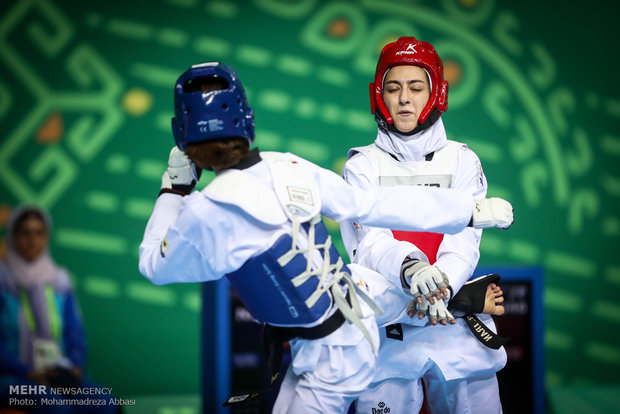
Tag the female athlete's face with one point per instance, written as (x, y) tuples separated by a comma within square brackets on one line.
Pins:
[(30, 238), (406, 91)]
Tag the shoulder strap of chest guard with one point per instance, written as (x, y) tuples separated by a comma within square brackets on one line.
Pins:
[(373, 153), (442, 162), (367, 149), (453, 147), (295, 188), (257, 199)]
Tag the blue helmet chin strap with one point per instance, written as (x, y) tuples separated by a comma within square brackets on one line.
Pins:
[(216, 112)]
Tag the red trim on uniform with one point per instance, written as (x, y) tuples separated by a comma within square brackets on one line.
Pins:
[(172, 191)]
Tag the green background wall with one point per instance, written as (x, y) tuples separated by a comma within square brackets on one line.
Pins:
[(85, 107)]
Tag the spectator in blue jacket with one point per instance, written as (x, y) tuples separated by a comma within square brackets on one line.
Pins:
[(41, 333)]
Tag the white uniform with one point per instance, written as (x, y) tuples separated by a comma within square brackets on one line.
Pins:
[(242, 212), (453, 363)]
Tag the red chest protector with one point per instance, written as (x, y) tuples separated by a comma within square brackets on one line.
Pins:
[(436, 170), (427, 242)]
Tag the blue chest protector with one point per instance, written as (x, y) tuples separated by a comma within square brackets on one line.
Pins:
[(300, 283), (280, 287)]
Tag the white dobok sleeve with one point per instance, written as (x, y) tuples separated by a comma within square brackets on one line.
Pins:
[(373, 247), (193, 239), (168, 254), (459, 253), (398, 207)]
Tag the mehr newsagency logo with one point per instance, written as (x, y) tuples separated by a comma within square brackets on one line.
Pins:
[(43, 395)]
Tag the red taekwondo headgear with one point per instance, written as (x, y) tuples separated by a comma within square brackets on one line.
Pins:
[(410, 51)]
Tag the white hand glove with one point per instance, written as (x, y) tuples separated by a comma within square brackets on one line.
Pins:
[(492, 212), (181, 171), (436, 312), (423, 279)]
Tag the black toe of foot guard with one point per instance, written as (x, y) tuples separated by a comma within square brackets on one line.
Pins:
[(470, 299)]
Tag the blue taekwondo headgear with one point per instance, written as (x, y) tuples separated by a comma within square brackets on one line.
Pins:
[(214, 114)]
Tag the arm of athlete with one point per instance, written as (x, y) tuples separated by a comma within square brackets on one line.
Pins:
[(378, 250), (373, 247), (459, 253), (399, 207), (170, 251)]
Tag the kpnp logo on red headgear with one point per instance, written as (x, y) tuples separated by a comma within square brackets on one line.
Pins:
[(410, 50)]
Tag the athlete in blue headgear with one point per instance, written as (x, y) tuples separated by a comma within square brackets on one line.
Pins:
[(258, 222)]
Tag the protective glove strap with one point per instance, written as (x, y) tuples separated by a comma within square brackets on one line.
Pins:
[(408, 269)]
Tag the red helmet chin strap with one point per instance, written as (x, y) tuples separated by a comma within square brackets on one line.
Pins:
[(437, 100), (442, 97), (378, 104), (373, 106), (432, 100)]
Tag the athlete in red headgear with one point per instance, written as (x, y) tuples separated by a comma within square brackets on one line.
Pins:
[(407, 97)]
